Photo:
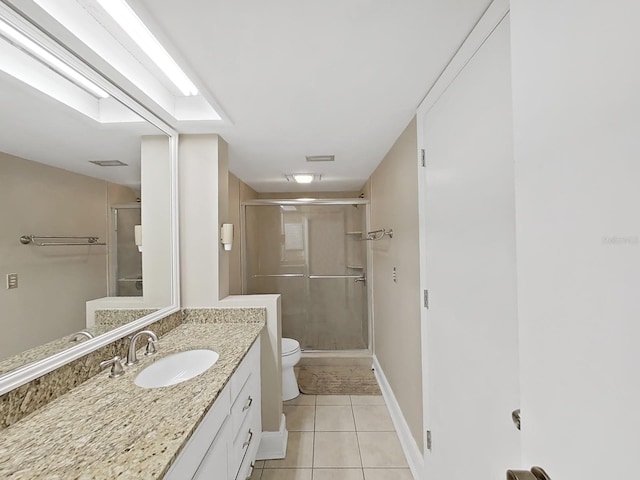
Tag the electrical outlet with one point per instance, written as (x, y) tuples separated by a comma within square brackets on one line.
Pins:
[(12, 280)]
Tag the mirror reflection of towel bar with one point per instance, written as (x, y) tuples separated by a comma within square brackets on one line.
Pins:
[(36, 240)]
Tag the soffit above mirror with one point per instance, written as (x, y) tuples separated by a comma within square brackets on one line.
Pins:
[(90, 23)]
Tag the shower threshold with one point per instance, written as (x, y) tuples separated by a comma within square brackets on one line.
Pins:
[(336, 357)]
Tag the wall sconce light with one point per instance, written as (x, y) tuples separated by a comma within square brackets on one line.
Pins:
[(226, 235), (137, 235)]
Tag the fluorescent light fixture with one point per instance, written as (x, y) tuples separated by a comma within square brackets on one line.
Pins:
[(303, 177), (51, 60), (122, 13)]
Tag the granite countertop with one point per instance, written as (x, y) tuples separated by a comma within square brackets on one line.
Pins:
[(110, 428)]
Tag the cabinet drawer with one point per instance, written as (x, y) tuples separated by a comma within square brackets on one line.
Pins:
[(247, 402), (245, 445), (250, 362)]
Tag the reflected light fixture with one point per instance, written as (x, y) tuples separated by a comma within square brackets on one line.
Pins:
[(303, 177), (49, 59), (124, 15)]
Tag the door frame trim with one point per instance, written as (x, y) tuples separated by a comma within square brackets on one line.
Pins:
[(492, 17)]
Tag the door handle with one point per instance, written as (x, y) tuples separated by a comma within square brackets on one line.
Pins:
[(540, 474), (536, 473)]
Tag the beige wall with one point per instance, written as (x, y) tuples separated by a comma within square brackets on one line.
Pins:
[(53, 282), (157, 247), (238, 192), (203, 195), (393, 191)]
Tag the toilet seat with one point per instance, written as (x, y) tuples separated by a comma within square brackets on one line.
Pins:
[(290, 347)]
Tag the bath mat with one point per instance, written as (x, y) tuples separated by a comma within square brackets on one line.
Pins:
[(337, 380)]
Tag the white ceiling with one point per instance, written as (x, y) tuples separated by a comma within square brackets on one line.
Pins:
[(298, 77), (36, 127)]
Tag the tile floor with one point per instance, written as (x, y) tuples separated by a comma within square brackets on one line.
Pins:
[(338, 437)]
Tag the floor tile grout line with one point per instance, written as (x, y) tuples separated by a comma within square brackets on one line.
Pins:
[(313, 450), (355, 425)]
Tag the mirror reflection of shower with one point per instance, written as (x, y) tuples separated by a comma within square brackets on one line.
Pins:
[(127, 254)]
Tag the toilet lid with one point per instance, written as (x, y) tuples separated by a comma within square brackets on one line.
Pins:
[(289, 346)]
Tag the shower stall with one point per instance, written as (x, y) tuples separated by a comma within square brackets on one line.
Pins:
[(126, 258), (312, 254)]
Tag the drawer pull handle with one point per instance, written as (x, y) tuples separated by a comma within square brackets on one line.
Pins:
[(249, 402), (246, 444), (253, 466)]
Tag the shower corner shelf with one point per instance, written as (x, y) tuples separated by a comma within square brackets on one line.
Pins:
[(353, 233), (356, 267)]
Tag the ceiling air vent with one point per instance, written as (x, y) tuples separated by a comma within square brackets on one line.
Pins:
[(320, 158), (108, 163)]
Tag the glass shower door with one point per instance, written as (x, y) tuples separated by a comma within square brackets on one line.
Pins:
[(312, 255), (128, 260)]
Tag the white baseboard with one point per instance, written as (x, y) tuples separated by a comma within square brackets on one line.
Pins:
[(409, 445), (273, 445)]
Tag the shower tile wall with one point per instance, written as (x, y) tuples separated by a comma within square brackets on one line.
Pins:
[(310, 241)]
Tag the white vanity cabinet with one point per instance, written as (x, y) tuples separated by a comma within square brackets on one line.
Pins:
[(225, 444)]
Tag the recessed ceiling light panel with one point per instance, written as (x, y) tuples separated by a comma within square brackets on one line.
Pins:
[(108, 163), (320, 158)]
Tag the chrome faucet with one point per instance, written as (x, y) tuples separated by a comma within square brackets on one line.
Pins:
[(151, 349), (82, 333), (116, 367)]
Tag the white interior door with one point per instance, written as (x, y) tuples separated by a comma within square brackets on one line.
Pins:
[(472, 330), (576, 94)]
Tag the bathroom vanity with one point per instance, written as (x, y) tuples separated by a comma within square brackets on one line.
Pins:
[(110, 428), (227, 439)]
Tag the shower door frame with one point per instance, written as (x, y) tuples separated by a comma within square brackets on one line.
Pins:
[(112, 270), (316, 201)]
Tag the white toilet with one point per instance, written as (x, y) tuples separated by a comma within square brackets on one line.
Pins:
[(290, 357)]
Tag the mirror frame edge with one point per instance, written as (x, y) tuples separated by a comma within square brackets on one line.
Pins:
[(32, 371)]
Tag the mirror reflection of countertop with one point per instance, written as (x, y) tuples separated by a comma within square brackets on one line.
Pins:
[(110, 428)]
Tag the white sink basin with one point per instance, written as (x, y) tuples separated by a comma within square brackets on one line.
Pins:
[(176, 368)]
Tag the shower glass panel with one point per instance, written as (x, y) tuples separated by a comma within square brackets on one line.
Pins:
[(128, 267), (313, 256)]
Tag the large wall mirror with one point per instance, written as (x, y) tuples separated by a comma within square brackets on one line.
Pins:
[(87, 207)]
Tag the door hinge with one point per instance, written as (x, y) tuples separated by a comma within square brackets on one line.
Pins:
[(426, 299), (428, 439), (423, 158)]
